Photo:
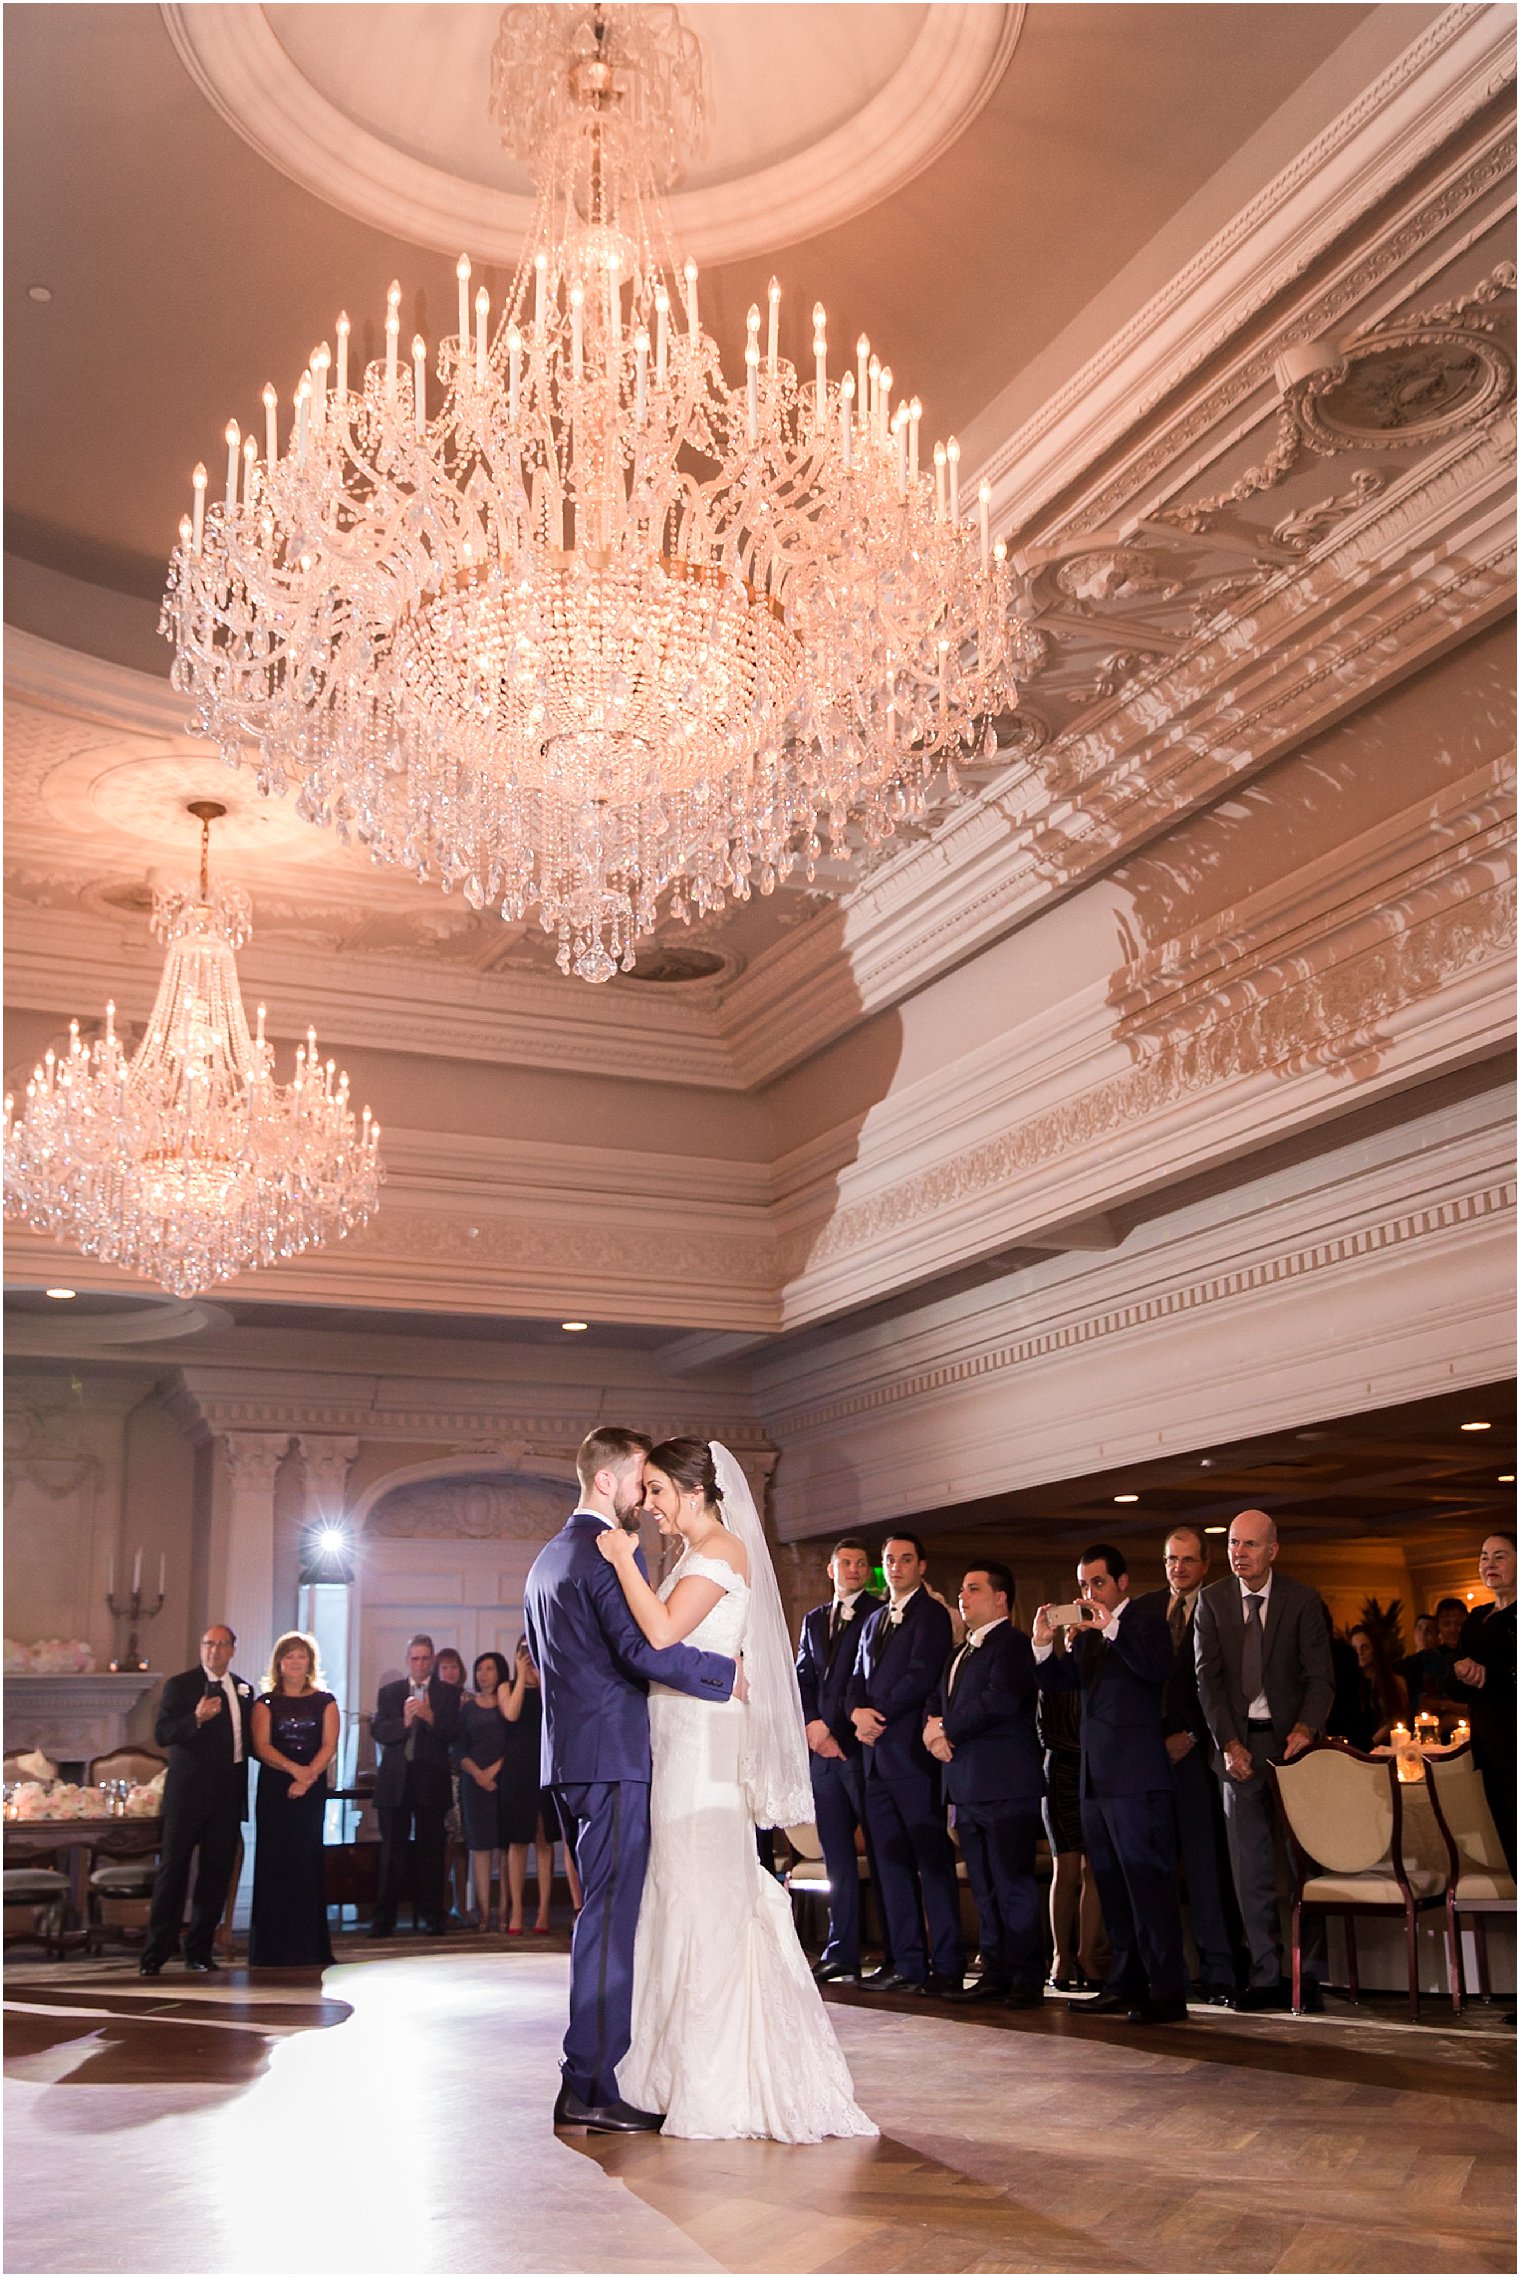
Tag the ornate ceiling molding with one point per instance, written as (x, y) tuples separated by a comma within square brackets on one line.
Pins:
[(236, 60)]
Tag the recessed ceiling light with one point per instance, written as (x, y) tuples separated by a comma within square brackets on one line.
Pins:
[(1506, 1478), (39, 292), (574, 1327), (1205, 1462), (1216, 1529), (1126, 1498), (61, 1294), (1477, 1427)]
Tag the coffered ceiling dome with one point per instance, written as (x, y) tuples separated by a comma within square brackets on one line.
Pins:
[(816, 114)]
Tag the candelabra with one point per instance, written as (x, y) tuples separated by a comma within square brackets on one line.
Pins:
[(135, 1612)]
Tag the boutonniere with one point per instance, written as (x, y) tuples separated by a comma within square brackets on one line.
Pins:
[(846, 1613), (242, 1691)]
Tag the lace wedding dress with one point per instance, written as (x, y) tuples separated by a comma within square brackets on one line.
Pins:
[(730, 2036)]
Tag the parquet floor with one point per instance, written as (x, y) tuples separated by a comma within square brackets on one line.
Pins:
[(393, 2117)]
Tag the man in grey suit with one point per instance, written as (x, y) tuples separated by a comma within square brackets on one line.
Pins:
[(1266, 1684)]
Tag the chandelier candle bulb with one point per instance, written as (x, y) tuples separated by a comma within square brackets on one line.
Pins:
[(953, 455), (462, 276), (662, 332), (271, 431), (198, 524), (900, 425), (319, 364), (303, 402), (884, 409), (773, 296), (939, 482), (234, 440), (847, 417), (482, 313), (577, 306), (871, 418), (915, 415), (419, 384), (752, 390), (514, 372), (250, 457), (862, 361), (343, 331), (692, 319)]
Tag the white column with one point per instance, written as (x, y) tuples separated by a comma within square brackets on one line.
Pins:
[(326, 1608), (253, 1459)]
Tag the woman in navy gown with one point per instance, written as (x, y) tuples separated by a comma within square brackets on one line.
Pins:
[(295, 1735)]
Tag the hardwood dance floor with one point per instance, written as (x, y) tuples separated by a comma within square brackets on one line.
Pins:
[(395, 2118)]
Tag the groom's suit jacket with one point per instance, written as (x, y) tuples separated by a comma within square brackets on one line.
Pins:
[(596, 1664)]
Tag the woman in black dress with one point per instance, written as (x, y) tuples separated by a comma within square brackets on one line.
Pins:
[(528, 1812), (478, 1752), (295, 1735)]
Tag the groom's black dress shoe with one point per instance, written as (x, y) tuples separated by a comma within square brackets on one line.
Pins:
[(615, 2118), (889, 1980), (1104, 2004), (834, 1972), (985, 1988)]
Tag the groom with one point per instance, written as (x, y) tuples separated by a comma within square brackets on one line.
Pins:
[(596, 1667)]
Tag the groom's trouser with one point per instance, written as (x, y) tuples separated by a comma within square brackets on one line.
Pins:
[(609, 1819)]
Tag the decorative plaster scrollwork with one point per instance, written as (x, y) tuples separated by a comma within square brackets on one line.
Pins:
[(1117, 573), (1304, 529), (475, 1510)]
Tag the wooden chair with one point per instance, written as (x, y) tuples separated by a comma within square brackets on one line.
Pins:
[(1345, 1819), (36, 1905), (139, 1764), (1481, 1882)]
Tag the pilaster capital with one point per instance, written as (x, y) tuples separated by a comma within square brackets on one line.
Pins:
[(254, 1458), (328, 1458)]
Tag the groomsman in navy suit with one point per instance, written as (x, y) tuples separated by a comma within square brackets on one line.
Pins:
[(1120, 1662), (902, 1654), (596, 1667), (826, 1659), (981, 1728)]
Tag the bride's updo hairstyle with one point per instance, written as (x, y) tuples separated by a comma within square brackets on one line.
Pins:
[(689, 1463)]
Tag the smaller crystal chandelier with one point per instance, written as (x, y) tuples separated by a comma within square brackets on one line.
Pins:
[(189, 1163)]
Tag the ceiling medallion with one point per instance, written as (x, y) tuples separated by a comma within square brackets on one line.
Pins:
[(593, 634), (189, 1163)]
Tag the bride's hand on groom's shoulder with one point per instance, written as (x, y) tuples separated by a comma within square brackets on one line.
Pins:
[(617, 1547)]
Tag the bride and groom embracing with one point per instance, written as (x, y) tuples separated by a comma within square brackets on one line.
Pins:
[(672, 1728)]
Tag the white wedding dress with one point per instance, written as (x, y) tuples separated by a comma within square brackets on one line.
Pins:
[(730, 2035)]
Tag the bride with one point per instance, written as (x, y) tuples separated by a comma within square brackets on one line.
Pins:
[(730, 2035)]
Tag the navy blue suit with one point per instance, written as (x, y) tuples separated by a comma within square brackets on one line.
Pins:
[(1129, 1820), (824, 1670), (596, 1666), (995, 1780), (896, 1672)]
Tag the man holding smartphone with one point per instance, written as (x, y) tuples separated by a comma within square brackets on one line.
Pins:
[(1119, 1661), (203, 1722)]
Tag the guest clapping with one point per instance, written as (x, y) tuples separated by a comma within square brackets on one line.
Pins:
[(479, 1752), (295, 1736)]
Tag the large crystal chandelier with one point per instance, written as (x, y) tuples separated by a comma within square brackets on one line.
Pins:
[(557, 616), (189, 1163)]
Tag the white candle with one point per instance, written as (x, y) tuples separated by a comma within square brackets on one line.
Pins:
[(137, 1574), (915, 413), (820, 366), (482, 311), (953, 454), (319, 364), (691, 298), (110, 1573), (462, 272), (640, 373), (984, 506), (250, 453), (662, 332), (752, 388), (271, 432), (862, 360), (234, 438), (900, 423), (186, 533), (773, 295), (872, 417), (392, 338), (514, 371), (162, 1570), (939, 482), (884, 407), (846, 416), (303, 399), (343, 355), (419, 383)]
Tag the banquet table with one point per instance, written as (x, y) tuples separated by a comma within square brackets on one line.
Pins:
[(84, 1840)]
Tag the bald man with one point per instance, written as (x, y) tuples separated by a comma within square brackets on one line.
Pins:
[(1266, 1684)]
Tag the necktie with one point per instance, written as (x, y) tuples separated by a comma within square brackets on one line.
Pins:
[(835, 1610), (411, 1736), (234, 1720), (1176, 1620), (956, 1666), (1250, 1651)]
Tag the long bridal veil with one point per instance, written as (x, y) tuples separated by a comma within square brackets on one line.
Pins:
[(774, 1763)]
